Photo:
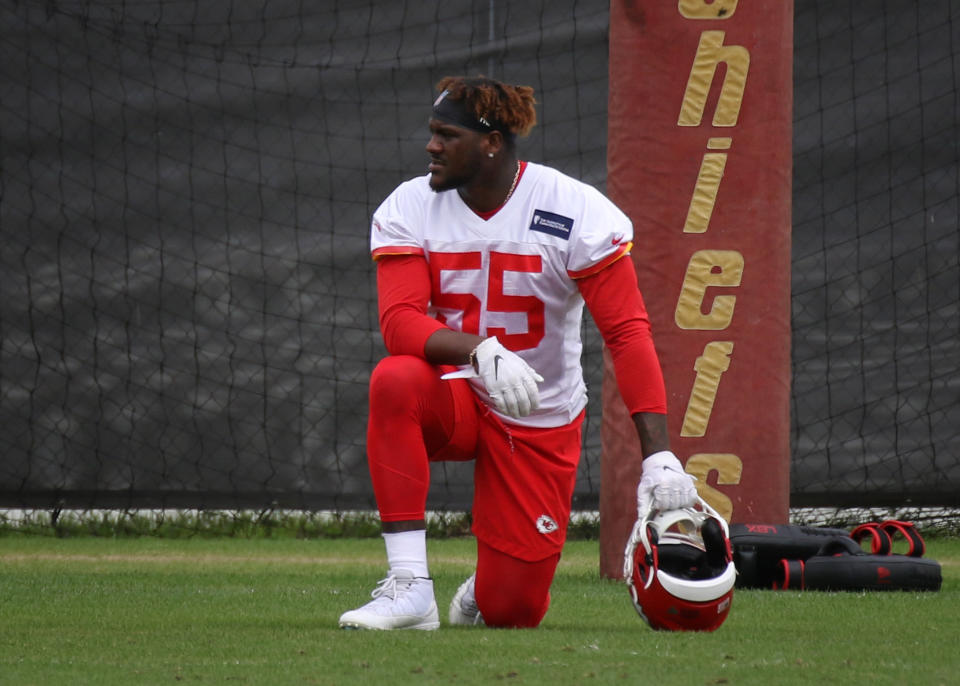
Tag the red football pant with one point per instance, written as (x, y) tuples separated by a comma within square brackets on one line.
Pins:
[(511, 592), (415, 418)]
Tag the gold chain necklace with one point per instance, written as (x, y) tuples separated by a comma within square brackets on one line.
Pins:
[(513, 186)]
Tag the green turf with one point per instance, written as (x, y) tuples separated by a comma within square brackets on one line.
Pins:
[(151, 611)]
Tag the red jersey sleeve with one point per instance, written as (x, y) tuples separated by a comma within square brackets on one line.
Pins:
[(614, 300), (403, 293)]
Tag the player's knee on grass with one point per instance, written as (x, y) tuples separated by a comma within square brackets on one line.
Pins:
[(511, 592), (513, 612)]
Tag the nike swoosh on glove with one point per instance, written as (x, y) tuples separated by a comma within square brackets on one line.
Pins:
[(510, 382), (664, 485)]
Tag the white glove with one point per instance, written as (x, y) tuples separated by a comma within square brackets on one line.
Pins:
[(510, 382), (664, 485)]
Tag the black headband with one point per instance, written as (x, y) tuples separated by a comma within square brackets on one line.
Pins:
[(456, 112)]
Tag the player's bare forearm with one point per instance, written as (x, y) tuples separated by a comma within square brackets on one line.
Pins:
[(446, 346), (652, 430)]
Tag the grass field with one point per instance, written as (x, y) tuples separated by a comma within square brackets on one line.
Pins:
[(232, 611)]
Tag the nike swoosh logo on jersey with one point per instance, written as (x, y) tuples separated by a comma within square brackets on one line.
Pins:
[(617, 237), (496, 365)]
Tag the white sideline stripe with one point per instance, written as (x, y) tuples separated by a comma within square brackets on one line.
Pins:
[(810, 516), (20, 515)]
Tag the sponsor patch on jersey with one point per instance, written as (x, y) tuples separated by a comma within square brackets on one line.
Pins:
[(553, 224)]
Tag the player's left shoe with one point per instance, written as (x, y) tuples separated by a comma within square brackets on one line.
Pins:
[(463, 607), (400, 601)]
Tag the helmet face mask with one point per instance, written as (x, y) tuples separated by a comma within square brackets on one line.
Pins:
[(679, 568)]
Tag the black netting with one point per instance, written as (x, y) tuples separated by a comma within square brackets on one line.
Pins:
[(188, 316), (876, 272)]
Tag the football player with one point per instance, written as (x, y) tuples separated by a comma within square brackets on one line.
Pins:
[(484, 265)]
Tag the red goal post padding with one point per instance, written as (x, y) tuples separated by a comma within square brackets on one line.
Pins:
[(699, 155)]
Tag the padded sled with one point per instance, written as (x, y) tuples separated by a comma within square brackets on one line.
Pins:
[(759, 548), (860, 572), (823, 558)]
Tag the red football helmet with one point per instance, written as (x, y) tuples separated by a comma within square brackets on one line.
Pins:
[(679, 567)]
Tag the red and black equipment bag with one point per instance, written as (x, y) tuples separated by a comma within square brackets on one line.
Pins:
[(785, 556)]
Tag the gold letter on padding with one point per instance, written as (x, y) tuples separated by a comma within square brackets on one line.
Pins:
[(708, 268), (709, 367), (701, 9), (729, 469), (710, 53)]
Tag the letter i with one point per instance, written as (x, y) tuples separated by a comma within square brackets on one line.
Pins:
[(708, 184)]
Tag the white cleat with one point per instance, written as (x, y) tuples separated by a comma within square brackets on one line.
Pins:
[(463, 607), (400, 601)]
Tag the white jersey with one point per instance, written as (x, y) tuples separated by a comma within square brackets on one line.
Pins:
[(512, 276)]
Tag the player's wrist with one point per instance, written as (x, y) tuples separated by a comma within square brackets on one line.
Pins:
[(485, 349), (662, 459)]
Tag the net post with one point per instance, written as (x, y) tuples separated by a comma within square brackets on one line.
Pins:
[(699, 156)]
